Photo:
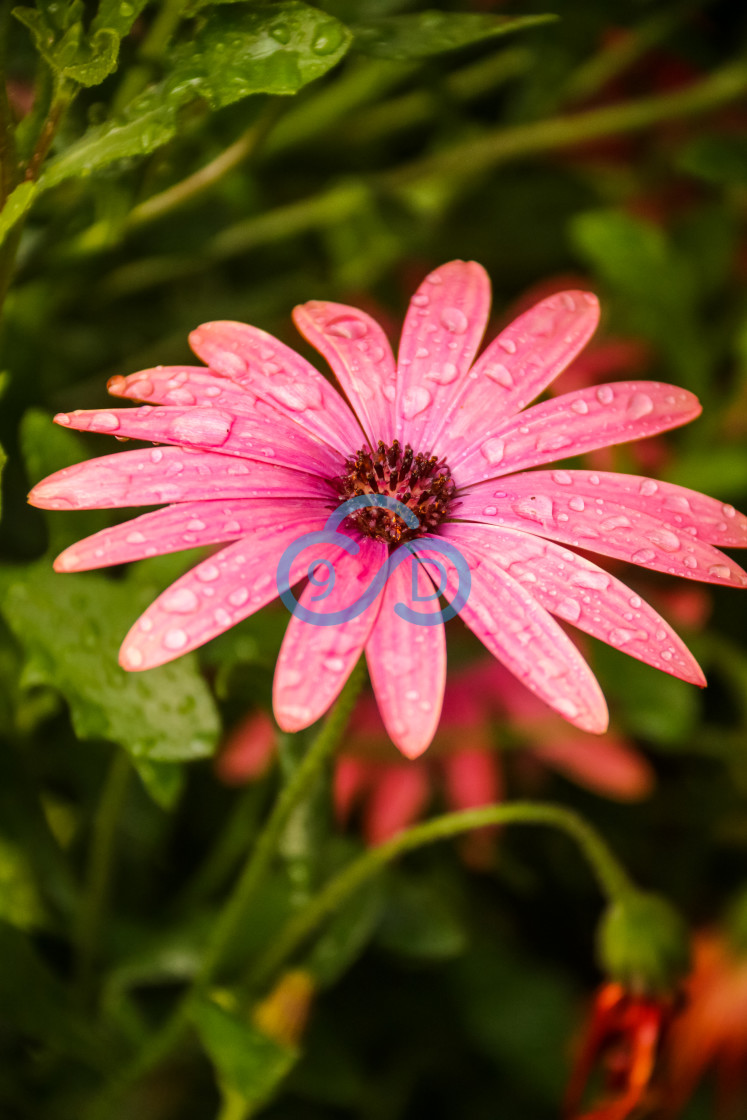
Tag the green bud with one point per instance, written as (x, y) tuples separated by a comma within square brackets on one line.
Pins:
[(643, 943)]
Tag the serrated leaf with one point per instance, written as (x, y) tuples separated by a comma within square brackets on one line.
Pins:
[(70, 628), (72, 54), (422, 34), (17, 204), (270, 48), (248, 1062)]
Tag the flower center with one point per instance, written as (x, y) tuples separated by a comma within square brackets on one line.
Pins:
[(421, 482)]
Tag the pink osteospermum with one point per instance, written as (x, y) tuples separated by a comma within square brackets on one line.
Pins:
[(262, 447)]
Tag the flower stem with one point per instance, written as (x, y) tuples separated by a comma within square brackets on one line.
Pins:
[(93, 905), (611, 876), (255, 869)]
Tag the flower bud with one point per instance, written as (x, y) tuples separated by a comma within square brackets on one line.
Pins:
[(643, 943)]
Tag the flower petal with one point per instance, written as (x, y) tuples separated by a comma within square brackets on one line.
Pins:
[(536, 502), (607, 766), (520, 633), (316, 660), (169, 474), (359, 353), (211, 429), (398, 797), (212, 597), (570, 425), (514, 369), (280, 376), (443, 329), (472, 777), (187, 525), (407, 663), (581, 593)]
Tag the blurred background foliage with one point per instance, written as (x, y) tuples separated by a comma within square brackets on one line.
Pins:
[(167, 165)]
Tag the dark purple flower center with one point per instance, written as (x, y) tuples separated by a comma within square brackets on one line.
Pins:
[(421, 482)]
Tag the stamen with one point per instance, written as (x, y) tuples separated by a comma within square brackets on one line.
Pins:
[(422, 482)]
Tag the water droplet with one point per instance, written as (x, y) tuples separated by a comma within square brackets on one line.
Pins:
[(620, 636), (493, 450), (690, 562), (180, 601), (595, 581), (207, 573), (665, 539), (643, 556), (106, 421), (280, 33), (208, 427), (238, 597), (334, 664), (580, 406), (490, 511), (507, 344), (648, 487), (720, 571), (389, 392), (195, 525), (421, 352), (345, 326), (563, 478), (568, 301), (454, 320), (594, 479), (566, 707), (617, 522), (635, 601), (415, 401), (666, 655), (605, 394), (175, 639), (444, 376), (328, 37), (728, 511), (500, 374), (420, 300), (568, 609), (412, 694), (536, 508), (297, 397), (551, 442), (222, 617), (640, 405), (133, 657), (577, 504)]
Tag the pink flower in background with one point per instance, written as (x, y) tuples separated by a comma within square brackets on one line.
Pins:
[(260, 447), (479, 701)]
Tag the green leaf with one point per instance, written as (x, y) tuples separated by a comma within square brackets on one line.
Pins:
[(164, 781), (717, 159), (72, 54), (20, 904), (422, 34), (70, 628), (275, 49), (248, 1062), (17, 204), (117, 16)]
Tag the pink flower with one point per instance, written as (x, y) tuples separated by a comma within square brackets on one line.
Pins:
[(261, 447)]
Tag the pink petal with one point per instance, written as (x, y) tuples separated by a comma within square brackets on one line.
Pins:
[(521, 634), (442, 331), (212, 597), (169, 474), (607, 766), (215, 430), (473, 778), (255, 360), (407, 663), (316, 660), (546, 504), (187, 525), (522, 361), (359, 353), (570, 425), (581, 593), (248, 751), (399, 796)]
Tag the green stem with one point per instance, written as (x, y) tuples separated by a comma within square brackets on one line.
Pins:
[(58, 108), (483, 152), (98, 878), (611, 876), (257, 866)]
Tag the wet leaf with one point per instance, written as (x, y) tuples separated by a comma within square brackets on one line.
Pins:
[(422, 34)]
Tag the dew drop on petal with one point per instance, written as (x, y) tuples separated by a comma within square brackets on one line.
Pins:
[(620, 636), (635, 601), (490, 511), (420, 300), (238, 597), (346, 326), (563, 478), (334, 664), (207, 573), (106, 421), (180, 601), (605, 394), (135, 538), (728, 511), (648, 487), (665, 539), (500, 374), (454, 320), (643, 556), (175, 639), (208, 427), (577, 504), (566, 707), (537, 509), (640, 405), (690, 562), (618, 522), (720, 571), (415, 401), (508, 345), (389, 392), (580, 407), (569, 609), (595, 581), (133, 657), (443, 376), (493, 450), (222, 617)]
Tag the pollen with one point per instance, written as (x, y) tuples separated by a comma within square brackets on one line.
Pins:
[(421, 482)]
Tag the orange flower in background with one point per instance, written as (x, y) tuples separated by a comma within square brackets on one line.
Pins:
[(622, 1042), (711, 1033)]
